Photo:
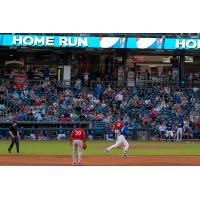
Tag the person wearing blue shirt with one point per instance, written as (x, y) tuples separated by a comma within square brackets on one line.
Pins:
[(177, 99), (98, 90), (121, 140), (169, 131), (180, 116), (179, 132), (61, 133)]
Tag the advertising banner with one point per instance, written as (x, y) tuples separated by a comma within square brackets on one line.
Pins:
[(62, 41), (97, 42), (181, 43), (145, 43)]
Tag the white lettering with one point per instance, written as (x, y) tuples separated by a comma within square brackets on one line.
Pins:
[(39, 41), (83, 42), (178, 44), (15, 40), (50, 41), (28, 40), (71, 43), (191, 44), (62, 41)]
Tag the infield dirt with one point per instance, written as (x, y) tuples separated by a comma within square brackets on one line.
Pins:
[(24, 160)]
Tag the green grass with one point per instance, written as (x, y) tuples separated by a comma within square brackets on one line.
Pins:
[(97, 148)]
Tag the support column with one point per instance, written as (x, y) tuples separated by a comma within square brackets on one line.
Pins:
[(181, 68), (69, 59), (124, 64)]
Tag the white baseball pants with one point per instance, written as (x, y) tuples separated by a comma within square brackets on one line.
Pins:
[(121, 140), (169, 134), (77, 148), (179, 134)]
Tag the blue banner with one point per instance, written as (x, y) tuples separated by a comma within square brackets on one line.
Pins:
[(97, 42), (182, 43), (62, 41)]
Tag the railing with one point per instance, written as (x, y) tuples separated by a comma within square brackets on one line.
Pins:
[(39, 82), (140, 81), (144, 134), (45, 124)]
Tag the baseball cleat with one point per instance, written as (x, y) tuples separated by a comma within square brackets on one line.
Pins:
[(80, 164), (73, 163), (106, 150), (125, 154)]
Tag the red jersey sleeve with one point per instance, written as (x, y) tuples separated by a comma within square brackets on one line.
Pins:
[(72, 134)]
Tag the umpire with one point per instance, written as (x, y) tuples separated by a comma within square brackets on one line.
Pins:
[(15, 137)]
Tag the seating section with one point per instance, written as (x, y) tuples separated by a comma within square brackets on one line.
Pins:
[(141, 107)]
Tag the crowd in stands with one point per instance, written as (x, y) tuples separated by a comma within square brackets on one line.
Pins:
[(141, 108)]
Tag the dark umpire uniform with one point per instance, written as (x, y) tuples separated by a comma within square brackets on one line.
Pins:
[(15, 137)]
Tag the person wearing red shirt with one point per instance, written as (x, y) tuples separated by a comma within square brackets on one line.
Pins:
[(38, 103), (62, 119), (117, 127), (77, 138)]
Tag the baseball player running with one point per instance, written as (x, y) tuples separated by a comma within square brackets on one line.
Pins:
[(121, 140), (117, 126), (77, 138)]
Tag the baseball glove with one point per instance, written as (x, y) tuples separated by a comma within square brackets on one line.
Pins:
[(84, 146)]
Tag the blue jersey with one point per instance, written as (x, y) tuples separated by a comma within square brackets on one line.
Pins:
[(169, 126), (180, 116), (124, 130), (180, 125)]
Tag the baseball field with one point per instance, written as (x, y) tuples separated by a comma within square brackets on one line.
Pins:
[(58, 153)]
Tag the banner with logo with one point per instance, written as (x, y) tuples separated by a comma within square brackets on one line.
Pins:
[(30, 40), (62, 41), (145, 43)]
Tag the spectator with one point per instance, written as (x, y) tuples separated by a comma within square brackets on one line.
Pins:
[(119, 98), (190, 78), (98, 90), (146, 106), (147, 74), (77, 87), (162, 130), (126, 118), (46, 74), (30, 74), (86, 77)]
